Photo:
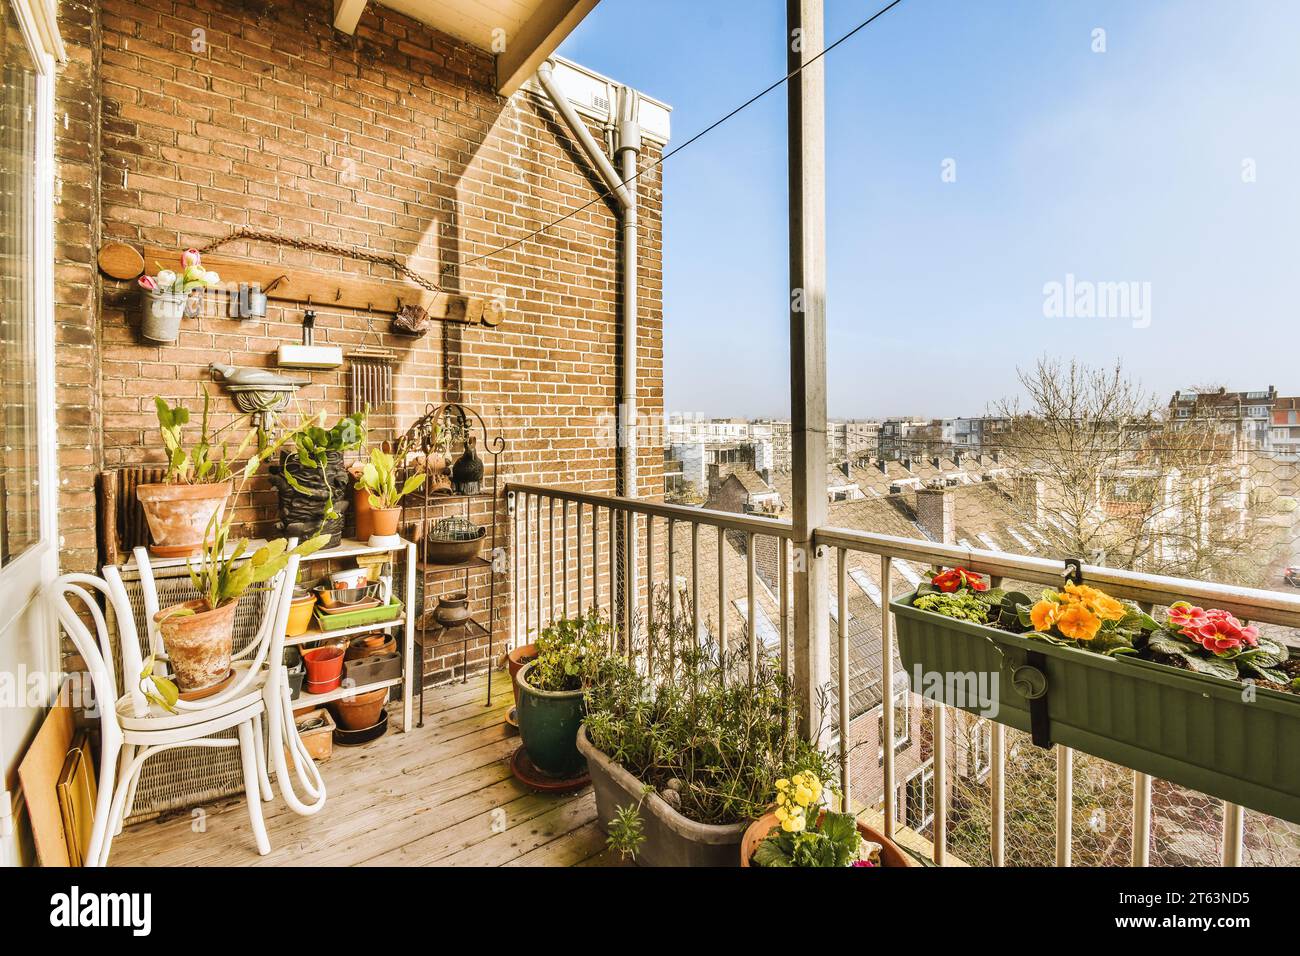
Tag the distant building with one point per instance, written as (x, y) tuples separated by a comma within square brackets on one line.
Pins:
[(1250, 414)]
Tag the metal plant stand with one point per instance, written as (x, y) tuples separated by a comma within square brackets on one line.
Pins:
[(448, 426)]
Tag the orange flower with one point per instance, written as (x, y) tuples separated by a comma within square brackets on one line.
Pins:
[(1098, 602), (1078, 623), (1043, 615)]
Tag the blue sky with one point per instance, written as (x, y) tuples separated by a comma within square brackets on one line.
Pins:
[(1122, 166)]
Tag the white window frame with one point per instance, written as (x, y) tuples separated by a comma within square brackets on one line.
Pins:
[(923, 777), (22, 579)]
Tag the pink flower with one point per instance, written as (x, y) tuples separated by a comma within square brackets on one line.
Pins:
[(190, 257), (862, 863), (1215, 630), (147, 283)]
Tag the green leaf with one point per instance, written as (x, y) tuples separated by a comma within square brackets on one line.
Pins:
[(237, 582), (269, 551), (312, 545), (769, 854), (412, 483)]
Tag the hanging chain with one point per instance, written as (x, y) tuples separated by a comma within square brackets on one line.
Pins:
[(310, 245)]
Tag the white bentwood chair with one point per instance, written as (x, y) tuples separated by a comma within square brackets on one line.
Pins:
[(133, 730)]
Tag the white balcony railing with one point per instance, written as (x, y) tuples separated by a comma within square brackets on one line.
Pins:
[(572, 550)]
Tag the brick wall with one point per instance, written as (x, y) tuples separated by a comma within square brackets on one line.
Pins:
[(392, 142)]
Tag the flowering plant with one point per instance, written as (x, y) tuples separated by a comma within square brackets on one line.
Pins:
[(957, 578), (192, 275), (1214, 642), (960, 594), (831, 839)]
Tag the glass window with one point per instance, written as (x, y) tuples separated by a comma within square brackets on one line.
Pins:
[(19, 507)]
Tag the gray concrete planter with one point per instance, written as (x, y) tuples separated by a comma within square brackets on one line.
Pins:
[(670, 838)]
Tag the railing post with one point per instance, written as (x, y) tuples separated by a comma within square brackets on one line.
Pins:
[(1064, 805), (1233, 829), (1141, 819), (806, 129), (887, 684)]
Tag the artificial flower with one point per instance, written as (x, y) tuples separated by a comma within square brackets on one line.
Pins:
[(148, 283), (190, 257)]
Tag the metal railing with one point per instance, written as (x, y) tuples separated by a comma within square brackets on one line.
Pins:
[(613, 570)]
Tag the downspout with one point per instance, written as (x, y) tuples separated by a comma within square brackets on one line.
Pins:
[(627, 149)]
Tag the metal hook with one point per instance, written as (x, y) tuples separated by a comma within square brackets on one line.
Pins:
[(1073, 572)]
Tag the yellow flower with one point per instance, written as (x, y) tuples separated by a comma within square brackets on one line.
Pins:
[(1077, 622), (782, 814), (780, 799), (803, 795), (1098, 602), (1044, 614), (794, 824), (782, 783)]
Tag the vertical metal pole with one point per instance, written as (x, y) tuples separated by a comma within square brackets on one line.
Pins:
[(537, 541), (513, 565), (672, 571), (526, 553), (1233, 829), (807, 171), (887, 684), (577, 526), (751, 595), (595, 558), (843, 650), (1141, 819), (650, 593), (940, 827), (695, 581), (783, 594), (550, 553), (564, 559), (614, 540), (629, 579), (722, 600), (998, 793), (1064, 805)]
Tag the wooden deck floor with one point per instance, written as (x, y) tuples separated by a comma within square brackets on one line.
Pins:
[(441, 795)]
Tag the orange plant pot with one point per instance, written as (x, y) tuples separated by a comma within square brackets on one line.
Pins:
[(384, 521), (300, 616), (361, 508), (179, 515), (198, 645)]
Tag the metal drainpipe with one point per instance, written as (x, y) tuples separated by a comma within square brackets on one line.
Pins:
[(627, 137)]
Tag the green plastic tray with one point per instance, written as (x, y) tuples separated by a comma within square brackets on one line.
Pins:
[(1190, 729), (373, 615)]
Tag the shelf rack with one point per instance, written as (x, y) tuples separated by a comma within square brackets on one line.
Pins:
[(347, 549), (424, 437)]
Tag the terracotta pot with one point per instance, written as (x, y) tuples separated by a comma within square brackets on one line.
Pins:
[(370, 645), (516, 660), (179, 515), (198, 645), (300, 616), (361, 711), (452, 609), (384, 521), (361, 507), (890, 854), (324, 668)]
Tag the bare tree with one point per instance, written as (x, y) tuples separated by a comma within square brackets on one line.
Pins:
[(1102, 475)]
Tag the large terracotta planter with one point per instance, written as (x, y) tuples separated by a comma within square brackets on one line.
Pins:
[(198, 645), (890, 854), (179, 515), (384, 521), (548, 726), (670, 838), (515, 662)]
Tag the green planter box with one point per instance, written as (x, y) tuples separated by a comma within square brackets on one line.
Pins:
[(373, 615), (1190, 729)]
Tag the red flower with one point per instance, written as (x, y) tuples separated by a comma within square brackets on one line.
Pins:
[(1216, 631), (862, 863), (957, 578)]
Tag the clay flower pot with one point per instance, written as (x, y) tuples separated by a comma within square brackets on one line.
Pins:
[(890, 854), (198, 645), (361, 508), (362, 710), (300, 615), (384, 521), (370, 645), (324, 668), (548, 726), (515, 662), (179, 515)]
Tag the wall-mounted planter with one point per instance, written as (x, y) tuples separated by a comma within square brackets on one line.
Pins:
[(670, 838), (1191, 729), (163, 312)]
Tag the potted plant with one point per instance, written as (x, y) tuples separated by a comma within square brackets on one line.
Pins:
[(197, 484), (379, 480), (802, 831), (1195, 697), (169, 294), (684, 760), (198, 634), (551, 687), (310, 476)]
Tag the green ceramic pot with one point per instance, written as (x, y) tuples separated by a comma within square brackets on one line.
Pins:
[(548, 726)]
